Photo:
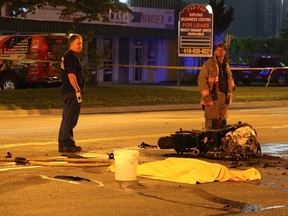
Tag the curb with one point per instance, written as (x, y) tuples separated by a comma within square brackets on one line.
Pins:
[(152, 108)]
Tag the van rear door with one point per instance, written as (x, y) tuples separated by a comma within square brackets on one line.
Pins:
[(46, 52)]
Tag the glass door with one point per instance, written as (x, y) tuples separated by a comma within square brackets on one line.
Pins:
[(138, 60)]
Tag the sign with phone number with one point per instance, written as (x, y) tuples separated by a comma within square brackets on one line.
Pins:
[(196, 51), (195, 31)]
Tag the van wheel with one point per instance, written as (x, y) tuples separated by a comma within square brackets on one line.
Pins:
[(9, 82), (281, 81)]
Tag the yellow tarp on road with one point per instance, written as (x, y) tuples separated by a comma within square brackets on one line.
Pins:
[(192, 171)]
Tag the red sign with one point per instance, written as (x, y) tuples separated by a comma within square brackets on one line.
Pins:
[(195, 31)]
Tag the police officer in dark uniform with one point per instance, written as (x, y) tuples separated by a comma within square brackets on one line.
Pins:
[(73, 81)]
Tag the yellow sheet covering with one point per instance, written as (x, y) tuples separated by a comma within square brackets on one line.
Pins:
[(191, 171)]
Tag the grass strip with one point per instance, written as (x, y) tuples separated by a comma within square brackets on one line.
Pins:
[(109, 96)]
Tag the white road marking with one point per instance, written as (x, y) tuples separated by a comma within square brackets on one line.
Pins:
[(13, 145), (279, 127), (99, 183), (18, 168), (62, 180)]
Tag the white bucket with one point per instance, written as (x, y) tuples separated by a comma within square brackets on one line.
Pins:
[(126, 162)]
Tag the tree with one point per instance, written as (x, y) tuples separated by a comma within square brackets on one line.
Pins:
[(91, 10), (222, 17), (284, 33), (245, 48)]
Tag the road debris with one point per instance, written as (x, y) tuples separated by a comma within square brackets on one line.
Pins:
[(9, 155), (146, 146), (60, 161)]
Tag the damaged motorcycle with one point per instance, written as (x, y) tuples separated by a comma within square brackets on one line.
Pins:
[(237, 141)]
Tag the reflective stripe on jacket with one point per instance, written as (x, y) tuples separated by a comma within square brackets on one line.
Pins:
[(208, 77)]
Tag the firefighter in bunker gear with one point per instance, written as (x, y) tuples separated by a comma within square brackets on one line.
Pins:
[(216, 85)]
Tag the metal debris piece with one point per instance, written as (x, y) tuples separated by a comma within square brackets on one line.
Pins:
[(9, 155), (146, 146), (111, 156), (21, 161)]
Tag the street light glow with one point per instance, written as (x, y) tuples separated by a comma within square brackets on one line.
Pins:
[(209, 8)]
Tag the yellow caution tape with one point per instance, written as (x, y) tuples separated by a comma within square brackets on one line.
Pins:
[(141, 66)]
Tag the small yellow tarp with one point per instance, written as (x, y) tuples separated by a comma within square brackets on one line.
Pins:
[(192, 171)]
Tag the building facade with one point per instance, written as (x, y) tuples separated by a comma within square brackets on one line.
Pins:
[(147, 37), (272, 15)]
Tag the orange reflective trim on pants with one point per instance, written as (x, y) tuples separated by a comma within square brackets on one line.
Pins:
[(218, 111), (206, 103)]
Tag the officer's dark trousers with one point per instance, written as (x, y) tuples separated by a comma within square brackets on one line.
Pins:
[(70, 117)]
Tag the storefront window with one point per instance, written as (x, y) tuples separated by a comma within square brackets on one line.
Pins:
[(92, 56), (152, 52), (138, 59), (107, 50)]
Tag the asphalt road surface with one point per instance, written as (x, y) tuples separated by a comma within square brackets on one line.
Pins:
[(34, 190)]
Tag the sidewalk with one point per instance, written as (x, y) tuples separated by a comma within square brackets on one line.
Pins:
[(173, 107)]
